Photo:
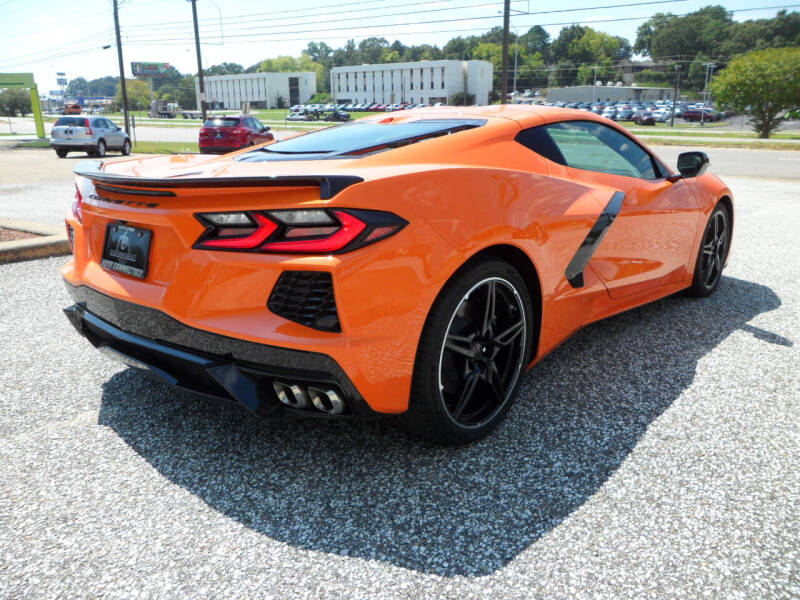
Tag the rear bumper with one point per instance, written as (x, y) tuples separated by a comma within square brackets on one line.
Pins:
[(72, 144), (219, 149), (207, 363)]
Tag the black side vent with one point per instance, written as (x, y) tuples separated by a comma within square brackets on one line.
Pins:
[(306, 297)]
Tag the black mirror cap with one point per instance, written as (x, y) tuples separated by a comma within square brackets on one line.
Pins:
[(266, 128), (693, 164)]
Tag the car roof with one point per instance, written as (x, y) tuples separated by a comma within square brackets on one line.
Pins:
[(527, 115)]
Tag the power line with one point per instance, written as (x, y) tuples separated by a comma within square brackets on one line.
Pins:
[(429, 22), (282, 24), (449, 30), (21, 58), (359, 3)]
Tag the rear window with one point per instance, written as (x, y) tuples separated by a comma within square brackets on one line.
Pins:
[(364, 138), (71, 121), (221, 122)]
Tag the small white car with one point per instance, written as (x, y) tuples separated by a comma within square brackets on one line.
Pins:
[(91, 134)]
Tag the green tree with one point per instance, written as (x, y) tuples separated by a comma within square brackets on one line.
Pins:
[(459, 48), (781, 31), (15, 100), (103, 86), (462, 99), (670, 36), (225, 68), (185, 93), (371, 49), (138, 94), (644, 34), (78, 86), (761, 83), (536, 39)]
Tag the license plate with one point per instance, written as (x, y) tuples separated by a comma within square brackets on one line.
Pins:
[(219, 135), (127, 249)]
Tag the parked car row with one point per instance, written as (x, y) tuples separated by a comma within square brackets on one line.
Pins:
[(649, 112), (362, 107), (318, 114)]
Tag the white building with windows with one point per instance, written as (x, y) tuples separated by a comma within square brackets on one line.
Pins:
[(424, 82), (260, 89)]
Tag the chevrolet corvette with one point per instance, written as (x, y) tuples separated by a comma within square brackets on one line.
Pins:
[(410, 265)]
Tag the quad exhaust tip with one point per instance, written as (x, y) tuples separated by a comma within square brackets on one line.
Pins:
[(325, 400)]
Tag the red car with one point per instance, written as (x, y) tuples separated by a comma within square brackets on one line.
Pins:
[(227, 133), (643, 119), (697, 114)]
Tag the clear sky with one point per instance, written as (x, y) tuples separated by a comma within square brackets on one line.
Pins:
[(46, 36)]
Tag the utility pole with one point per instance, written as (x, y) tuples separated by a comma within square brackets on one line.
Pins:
[(709, 72), (595, 99), (675, 95), (199, 62), (516, 54), (122, 85), (504, 72)]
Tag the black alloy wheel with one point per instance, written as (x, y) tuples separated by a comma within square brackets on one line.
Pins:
[(471, 354), (126, 148), (713, 253), (481, 356)]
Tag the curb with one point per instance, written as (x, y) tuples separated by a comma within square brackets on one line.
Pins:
[(52, 243)]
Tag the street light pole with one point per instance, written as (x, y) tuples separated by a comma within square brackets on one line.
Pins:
[(122, 85), (516, 53), (675, 95), (199, 62)]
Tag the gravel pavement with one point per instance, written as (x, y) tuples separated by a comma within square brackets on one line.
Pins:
[(654, 455)]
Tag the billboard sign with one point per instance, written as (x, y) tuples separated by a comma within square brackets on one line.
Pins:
[(149, 69), (61, 81)]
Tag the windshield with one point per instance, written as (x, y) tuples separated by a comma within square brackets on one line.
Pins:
[(221, 122), (364, 137), (72, 121)]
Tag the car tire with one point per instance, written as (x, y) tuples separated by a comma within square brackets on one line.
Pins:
[(468, 367), (61, 153), (712, 254), (126, 148), (100, 151)]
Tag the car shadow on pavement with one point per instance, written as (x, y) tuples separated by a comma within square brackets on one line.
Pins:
[(349, 488)]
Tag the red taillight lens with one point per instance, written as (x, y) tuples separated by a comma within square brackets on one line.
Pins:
[(88, 127), (306, 231), (77, 205), (236, 131)]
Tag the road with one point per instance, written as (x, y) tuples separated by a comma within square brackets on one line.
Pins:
[(36, 185), (654, 455)]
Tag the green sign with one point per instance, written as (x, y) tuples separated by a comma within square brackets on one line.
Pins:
[(150, 69)]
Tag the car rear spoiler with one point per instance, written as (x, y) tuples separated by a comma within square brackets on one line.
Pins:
[(329, 185)]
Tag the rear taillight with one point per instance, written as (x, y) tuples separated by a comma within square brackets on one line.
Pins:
[(77, 205), (309, 231), (88, 127), (236, 131)]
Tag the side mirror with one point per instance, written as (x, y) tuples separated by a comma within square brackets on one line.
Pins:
[(265, 129), (117, 128), (692, 164)]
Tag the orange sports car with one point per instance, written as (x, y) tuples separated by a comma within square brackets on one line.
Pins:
[(411, 265)]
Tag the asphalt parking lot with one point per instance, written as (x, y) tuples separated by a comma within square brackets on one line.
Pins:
[(654, 455)]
